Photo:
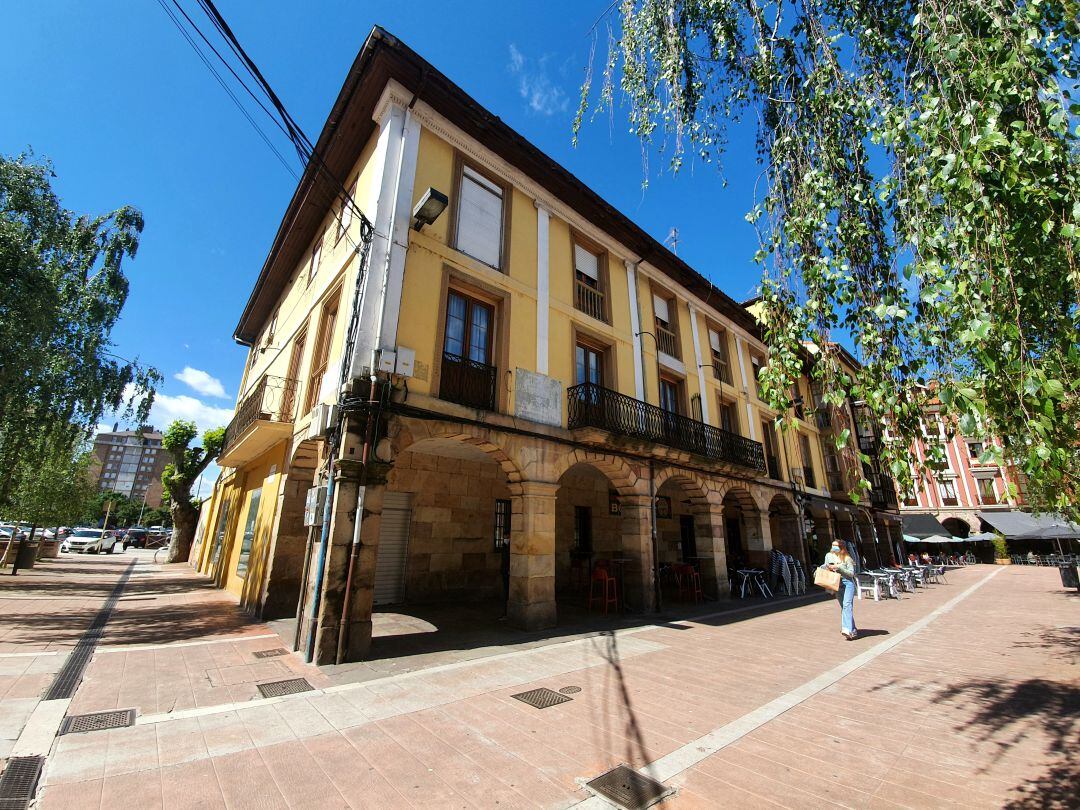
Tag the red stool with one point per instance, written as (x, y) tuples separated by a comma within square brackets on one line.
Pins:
[(608, 595), (689, 583)]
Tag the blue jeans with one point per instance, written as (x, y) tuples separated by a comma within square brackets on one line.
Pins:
[(846, 597)]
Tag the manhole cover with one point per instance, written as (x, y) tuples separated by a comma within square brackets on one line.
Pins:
[(98, 721), (271, 653), (290, 687), (19, 781), (542, 698), (570, 690), (627, 788)]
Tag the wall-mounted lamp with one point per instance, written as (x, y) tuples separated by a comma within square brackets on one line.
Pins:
[(430, 207)]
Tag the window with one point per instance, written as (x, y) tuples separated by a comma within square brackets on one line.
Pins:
[(910, 498), (975, 449), (293, 375), (807, 462), (718, 348), (772, 461), (834, 477), (582, 528), (947, 488), (797, 404), (588, 290), (271, 329), (987, 491), (249, 533), (480, 218), (316, 255), (665, 330), (757, 362), (467, 376), (588, 364), (669, 396), (729, 419), (502, 522), (345, 220), (320, 360)]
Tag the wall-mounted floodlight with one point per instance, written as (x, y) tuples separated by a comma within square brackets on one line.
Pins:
[(431, 205)]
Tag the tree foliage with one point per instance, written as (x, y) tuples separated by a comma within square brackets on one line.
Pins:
[(62, 289), (187, 464), (920, 197)]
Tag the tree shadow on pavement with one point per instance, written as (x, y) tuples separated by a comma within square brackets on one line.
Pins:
[(1013, 709)]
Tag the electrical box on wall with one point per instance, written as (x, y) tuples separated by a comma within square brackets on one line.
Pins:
[(406, 360), (313, 506), (387, 359), (322, 417)]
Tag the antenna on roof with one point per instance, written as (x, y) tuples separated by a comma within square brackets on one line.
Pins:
[(673, 240)]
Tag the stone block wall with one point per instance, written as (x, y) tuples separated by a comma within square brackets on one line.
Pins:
[(584, 487), (451, 552)]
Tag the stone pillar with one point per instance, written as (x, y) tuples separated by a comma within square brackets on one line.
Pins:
[(709, 528), (531, 605), (758, 536), (285, 563), (346, 489), (358, 640), (637, 545)]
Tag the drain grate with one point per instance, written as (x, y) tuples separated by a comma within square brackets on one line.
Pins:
[(627, 788), (98, 721), (542, 698), (570, 690), (271, 653), (290, 687), (19, 782)]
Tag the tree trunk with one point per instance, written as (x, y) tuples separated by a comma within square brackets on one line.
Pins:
[(185, 519)]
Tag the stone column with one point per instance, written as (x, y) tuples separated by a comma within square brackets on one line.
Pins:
[(709, 528), (531, 605), (358, 640), (637, 545)]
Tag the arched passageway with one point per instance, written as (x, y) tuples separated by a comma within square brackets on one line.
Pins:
[(785, 528), (956, 527), (743, 542)]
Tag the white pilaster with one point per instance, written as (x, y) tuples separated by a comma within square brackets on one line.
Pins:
[(543, 303), (740, 350), (635, 327), (700, 371)]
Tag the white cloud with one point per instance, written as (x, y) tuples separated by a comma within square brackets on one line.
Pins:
[(168, 408), (201, 381), (535, 86)]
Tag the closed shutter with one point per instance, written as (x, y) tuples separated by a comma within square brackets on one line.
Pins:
[(479, 231), (660, 308), (586, 263), (393, 548)]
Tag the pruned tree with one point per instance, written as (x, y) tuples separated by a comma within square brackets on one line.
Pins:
[(919, 196), (62, 289), (187, 464)]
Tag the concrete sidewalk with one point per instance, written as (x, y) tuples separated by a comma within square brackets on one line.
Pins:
[(966, 694)]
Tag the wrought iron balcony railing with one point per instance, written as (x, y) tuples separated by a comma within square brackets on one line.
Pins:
[(808, 477), (595, 406), (836, 482), (467, 382), (721, 370), (589, 300), (273, 399)]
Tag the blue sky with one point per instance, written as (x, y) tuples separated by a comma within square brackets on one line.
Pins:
[(117, 100)]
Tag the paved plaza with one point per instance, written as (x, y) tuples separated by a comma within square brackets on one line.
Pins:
[(966, 694)]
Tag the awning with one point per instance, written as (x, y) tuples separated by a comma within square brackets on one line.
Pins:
[(923, 525), (1022, 525)]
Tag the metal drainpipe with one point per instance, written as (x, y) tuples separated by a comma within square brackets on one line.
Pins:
[(319, 572), (652, 531), (354, 551)]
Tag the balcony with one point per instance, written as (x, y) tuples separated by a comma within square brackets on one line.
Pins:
[(808, 477), (721, 370), (823, 417), (589, 300), (773, 466), (467, 382), (263, 419), (835, 481), (666, 341), (598, 407)]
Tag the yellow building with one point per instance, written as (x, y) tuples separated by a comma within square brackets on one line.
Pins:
[(481, 354)]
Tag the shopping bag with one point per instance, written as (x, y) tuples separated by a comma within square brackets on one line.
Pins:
[(829, 580)]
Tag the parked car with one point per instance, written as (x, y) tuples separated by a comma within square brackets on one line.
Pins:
[(136, 537), (85, 540)]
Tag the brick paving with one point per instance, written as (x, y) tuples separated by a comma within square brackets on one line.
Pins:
[(978, 708)]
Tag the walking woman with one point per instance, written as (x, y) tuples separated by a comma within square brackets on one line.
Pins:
[(840, 561)]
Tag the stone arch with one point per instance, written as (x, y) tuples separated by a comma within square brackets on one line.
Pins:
[(438, 434), (785, 528), (623, 477), (694, 533), (959, 525), (745, 540), (289, 539)]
